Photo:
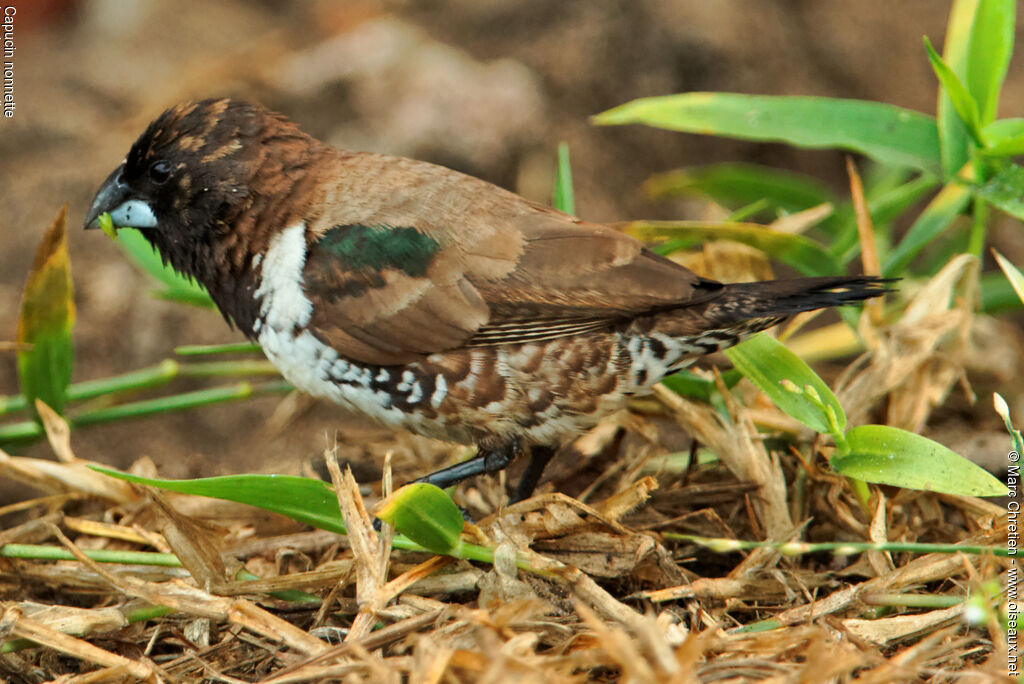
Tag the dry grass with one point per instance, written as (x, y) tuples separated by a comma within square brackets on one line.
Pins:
[(595, 586), (609, 597)]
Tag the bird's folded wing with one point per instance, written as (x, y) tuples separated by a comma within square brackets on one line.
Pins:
[(397, 283)]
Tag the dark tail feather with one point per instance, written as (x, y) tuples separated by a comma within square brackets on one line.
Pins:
[(782, 298)]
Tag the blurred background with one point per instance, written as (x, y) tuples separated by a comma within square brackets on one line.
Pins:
[(488, 87)]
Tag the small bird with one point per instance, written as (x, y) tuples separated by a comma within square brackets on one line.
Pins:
[(425, 298)]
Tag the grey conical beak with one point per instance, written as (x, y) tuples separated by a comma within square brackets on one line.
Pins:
[(115, 197)]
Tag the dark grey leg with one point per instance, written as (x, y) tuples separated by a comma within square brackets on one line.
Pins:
[(539, 458), (486, 461)]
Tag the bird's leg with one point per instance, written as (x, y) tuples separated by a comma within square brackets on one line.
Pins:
[(539, 458), (487, 460)]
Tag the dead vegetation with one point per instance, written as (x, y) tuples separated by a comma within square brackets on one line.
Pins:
[(602, 586), (611, 591)]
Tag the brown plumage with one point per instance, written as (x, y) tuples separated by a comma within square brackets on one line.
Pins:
[(427, 298)]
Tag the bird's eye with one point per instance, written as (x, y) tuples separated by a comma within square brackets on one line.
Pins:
[(160, 171)]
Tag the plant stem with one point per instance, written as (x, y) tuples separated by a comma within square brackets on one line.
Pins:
[(722, 545), (911, 600), (29, 430), (178, 402), (43, 552), (148, 613), (149, 378), (979, 228), (208, 349)]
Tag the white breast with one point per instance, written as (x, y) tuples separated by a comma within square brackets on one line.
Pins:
[(305, 361)]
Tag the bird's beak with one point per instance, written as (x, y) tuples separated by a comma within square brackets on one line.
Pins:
[(115, 197)]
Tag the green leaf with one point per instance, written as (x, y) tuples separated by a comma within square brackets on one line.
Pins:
[(767, 363), (952, 131), (988, 53), (47, 316), (964, 104), (885, 206), (425, 514), (308, 501), (935, 218), (888, 455), (564, 199), (1013, 274), (799, 251), (738, 185), (304, 499), (881, 131), (176, 287), (1005, 189)]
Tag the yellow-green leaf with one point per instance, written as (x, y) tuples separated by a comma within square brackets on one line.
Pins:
[(425, 514), (47, 316)]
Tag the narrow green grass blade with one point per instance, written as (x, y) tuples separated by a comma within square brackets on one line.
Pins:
[(883, 132), (935, 218), (888, 455), (767, 363), (799, 251), (988, 53), (425, 514), (884, 207), (47, 316), (176, 287), (564, 197), (953, 136), (964, 104), (737, 185), (1013, 274)]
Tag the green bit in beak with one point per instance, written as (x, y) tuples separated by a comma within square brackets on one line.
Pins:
[(107, 225)]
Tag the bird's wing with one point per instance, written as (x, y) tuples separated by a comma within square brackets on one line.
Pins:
[(442, 260)]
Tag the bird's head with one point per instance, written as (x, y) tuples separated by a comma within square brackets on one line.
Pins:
[(193, 177)]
